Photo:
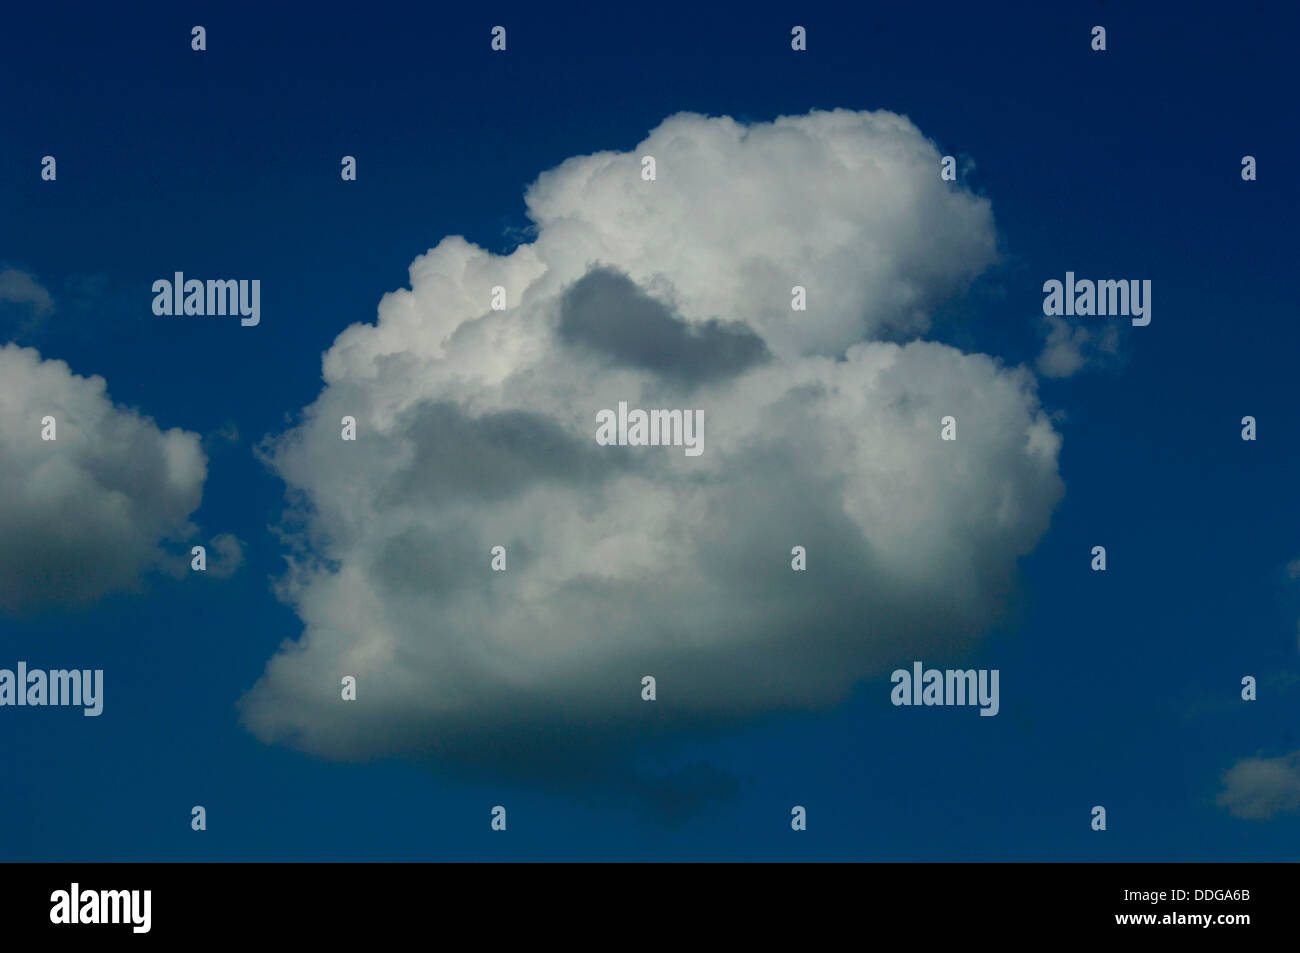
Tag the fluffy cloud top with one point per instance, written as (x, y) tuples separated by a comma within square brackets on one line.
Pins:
[(85, 513), (476, 429)]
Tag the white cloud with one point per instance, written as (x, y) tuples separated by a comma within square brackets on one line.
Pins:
[(1069, 348), (84, 514), (1258, 789), (476, 429), (19, 287), (225, 555)]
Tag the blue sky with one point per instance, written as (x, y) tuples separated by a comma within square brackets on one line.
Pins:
[(1118, 688)]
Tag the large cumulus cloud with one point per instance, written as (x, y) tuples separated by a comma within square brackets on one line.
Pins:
[(821, 429), (88, 512)]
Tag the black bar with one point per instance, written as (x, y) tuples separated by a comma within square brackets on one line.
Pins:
[(665, 903)]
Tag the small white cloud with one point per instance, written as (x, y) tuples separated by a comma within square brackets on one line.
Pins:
[(1258, 789), (225, 555), (18, 287), (229, 432), (1069, 348)]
